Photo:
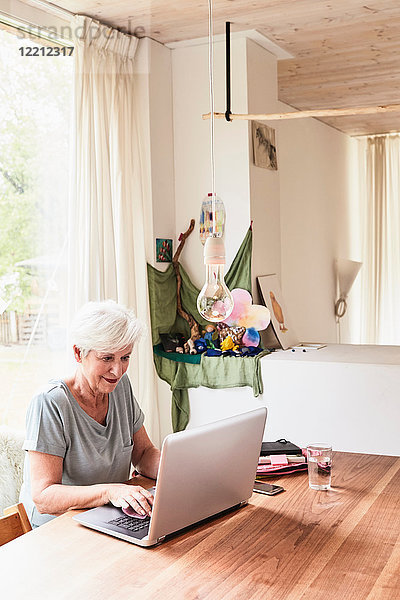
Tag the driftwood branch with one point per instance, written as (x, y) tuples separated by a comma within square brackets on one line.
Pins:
[(302, 114), (194, 327)]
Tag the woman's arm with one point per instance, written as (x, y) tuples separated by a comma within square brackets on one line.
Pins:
[(145, 456), (52, 497)]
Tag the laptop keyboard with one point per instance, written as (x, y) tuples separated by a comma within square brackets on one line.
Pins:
[(131, 523)]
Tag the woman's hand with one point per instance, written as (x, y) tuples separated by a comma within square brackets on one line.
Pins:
[(137, 497)]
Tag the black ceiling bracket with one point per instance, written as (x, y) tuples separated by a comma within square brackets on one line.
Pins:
[(228, 70)]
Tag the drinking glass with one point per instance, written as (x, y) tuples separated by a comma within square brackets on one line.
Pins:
[(319, 459)]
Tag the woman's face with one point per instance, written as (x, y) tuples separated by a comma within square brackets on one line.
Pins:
[(103, 370)]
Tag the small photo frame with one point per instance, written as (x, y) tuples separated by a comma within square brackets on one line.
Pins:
[(264, 146), (163, 250), (272, 297)]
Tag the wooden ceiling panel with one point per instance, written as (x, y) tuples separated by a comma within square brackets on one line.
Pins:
[(346, 52), (356, 125)]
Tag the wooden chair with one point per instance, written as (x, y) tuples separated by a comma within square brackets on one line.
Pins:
[(14, 523)]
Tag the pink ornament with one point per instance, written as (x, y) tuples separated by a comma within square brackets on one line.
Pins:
[(246, 314), (251, 337)]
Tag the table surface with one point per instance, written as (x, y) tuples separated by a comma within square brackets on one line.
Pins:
[(341, 353), (340, 544)]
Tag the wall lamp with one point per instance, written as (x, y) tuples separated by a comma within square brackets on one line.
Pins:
[(346, 272)]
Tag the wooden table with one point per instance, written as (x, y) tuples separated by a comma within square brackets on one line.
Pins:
[(341, 544)]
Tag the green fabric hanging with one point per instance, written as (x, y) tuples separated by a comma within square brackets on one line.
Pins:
[(212, 372)]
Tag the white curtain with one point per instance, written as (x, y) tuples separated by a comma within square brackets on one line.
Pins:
[(107, 221), (380, 205)]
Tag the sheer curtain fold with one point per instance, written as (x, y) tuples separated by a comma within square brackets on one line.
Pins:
[(107, 220), (380, 168)]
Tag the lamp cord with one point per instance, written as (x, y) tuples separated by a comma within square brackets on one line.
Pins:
[(211, 69)]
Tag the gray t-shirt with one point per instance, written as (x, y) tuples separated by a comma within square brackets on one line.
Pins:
[(92, 453)]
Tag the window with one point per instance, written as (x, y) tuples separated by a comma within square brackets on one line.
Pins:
[(35, 116)]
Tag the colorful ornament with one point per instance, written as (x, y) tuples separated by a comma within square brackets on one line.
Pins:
[(236, 333), (251, 337), (228, 344), (200, 345), (206, 218), (246, 314)]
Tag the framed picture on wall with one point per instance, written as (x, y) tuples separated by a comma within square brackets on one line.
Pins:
[(271, 295), (264, 146), (163, 250)]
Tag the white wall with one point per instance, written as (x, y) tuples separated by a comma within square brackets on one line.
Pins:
[(264, 183), (351, 322), (153, 89), (162, 143), (314, 192)]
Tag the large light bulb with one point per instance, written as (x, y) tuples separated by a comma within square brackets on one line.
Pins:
[(215, 302)]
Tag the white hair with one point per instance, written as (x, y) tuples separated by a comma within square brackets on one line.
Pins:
[(105, 327)]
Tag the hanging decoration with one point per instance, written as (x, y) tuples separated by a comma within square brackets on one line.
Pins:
[(207, 218), (248, 317), (215, 302)]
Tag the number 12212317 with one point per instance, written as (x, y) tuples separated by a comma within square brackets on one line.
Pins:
[(46, 51)]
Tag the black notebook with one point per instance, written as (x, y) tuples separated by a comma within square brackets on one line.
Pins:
[(281, 446)]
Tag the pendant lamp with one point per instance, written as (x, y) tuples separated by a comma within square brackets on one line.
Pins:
[(215, 302)]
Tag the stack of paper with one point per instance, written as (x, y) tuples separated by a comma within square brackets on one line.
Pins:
[(280, 464)]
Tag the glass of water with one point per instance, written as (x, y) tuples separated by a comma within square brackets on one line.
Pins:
[(319, 459)]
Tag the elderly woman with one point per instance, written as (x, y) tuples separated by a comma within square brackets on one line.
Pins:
[(85, 431)]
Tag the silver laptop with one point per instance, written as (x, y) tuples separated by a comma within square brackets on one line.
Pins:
[(203, 471)]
